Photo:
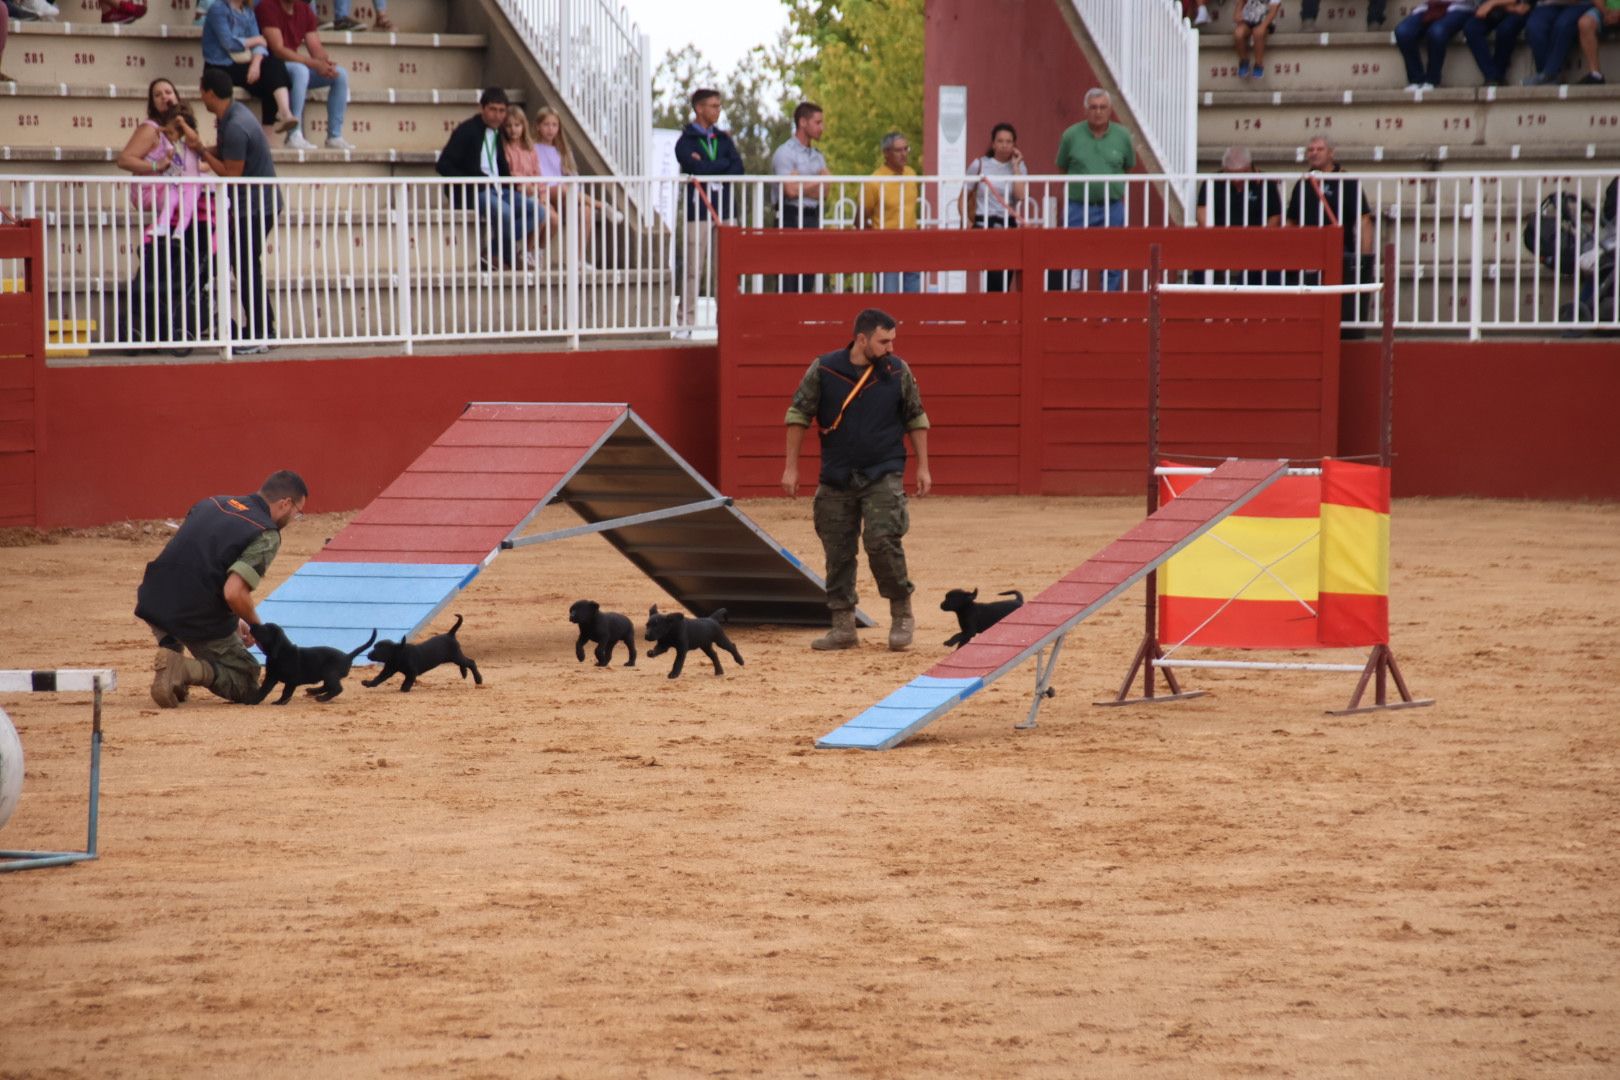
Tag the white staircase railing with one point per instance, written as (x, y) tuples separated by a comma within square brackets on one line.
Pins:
[(1152, 52), (601, 63)]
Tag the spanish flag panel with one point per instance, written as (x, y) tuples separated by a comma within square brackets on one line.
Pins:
[(1355, 554), (1252, 581)]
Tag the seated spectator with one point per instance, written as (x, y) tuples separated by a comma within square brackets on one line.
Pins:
[(341, 20), (29, 10), (289, 25), (1434, 25), (557, 160), (1553, 28), (167, 299), (1594, 25), (893, 206), (1254, 23), (474, 152), (1505, 20), (521, 160), (996, 201), (1197, 11), (232, 42), (121, 11)]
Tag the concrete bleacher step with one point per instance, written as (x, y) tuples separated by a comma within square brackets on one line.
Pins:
[(89, 117), (1351, 61), (1497, 118), (411, 16), (1334, 16), (1441, 158), (72, 53), (290, 164)]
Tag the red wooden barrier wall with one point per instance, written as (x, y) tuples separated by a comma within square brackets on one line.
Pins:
[(22, 359), (1034, 391)]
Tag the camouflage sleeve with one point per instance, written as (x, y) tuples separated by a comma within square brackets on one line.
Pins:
[(807, 398), (257, 557), (911, 402)]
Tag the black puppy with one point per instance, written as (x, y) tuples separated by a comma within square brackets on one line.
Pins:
[(421, 658), (975, 618), (286, 663), (676, 631), (606, 628)]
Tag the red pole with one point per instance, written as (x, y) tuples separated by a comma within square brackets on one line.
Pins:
[(1386, 364)]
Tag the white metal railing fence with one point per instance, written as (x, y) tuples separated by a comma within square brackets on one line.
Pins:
[(1152, 52), (601, 64), (235, 265)]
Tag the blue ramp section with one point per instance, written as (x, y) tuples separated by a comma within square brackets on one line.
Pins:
[(340, 603), (894, 719)]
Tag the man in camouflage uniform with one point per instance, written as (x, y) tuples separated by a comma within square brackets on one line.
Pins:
[(865, 401), (198, 592)]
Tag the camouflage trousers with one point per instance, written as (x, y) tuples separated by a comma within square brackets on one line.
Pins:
[(840, 513), (236, 673)]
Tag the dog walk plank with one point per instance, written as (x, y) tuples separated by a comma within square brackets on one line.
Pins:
[(1063, 605)]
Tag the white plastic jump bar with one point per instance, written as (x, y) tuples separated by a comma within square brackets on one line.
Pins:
[(1279, 290), (1255, 665), (56, 680), (1195, 470)]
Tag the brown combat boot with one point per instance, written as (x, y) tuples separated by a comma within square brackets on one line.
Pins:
[(174, 673), (901, 624), (842, 634)]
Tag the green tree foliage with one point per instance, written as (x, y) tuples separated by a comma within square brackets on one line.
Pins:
[(862, 62)]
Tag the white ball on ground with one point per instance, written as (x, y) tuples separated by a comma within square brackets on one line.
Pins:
[(11, 768)]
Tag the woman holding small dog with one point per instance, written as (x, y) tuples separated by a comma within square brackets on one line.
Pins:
[(865, 401)]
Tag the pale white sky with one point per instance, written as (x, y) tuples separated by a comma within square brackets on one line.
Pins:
[(723, 30)]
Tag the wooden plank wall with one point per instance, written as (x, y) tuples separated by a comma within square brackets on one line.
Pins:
[(1036, 391), (22, 356)]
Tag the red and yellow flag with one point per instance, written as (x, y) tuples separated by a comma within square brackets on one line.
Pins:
[(1355, 555)]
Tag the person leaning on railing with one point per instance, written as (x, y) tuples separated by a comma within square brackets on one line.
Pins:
[(887, 205), (800, 200), (1323, 198), (175, 219), (703, 150), (1097, 147), (996, 196), (1243, 200)]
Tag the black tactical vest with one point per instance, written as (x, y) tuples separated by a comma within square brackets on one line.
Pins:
[(183, 592)]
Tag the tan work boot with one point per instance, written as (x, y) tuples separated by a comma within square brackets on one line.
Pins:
[(842, 634), (901, 624), (174, 673)]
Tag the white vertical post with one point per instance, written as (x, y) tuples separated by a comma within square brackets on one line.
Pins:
[(571, 263), (224, 236), (1476, 260), (565, 49), (643, 163), (404, 313), (952, 165)]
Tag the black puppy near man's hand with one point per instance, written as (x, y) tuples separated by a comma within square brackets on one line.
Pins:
[(606, 628), (975, 618), (287, 663), (420, 658), (676, 631)]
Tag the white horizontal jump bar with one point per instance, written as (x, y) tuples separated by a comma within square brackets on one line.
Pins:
[(1194, 470), (57, 680), (1279, 290), (1256, 665)]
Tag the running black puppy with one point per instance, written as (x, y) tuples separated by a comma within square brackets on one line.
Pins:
[(975, 618), (421, 658), (606, 628), (286, 663), (676, 631)]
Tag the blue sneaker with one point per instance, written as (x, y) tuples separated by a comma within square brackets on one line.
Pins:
[(1259, 72), (1243, 69)]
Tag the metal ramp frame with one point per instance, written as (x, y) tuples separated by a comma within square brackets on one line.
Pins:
[(1045, 620), (481, 485)]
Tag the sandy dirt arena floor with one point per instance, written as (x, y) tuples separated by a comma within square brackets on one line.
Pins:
[(574, 872)]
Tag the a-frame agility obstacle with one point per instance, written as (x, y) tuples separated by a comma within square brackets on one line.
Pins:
[(474, 492)]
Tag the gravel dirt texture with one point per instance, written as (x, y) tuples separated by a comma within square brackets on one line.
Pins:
[(584, 872)]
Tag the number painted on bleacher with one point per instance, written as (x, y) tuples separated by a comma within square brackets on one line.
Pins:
[(1286, 69), (1341, 12), (407, 126), (82, 58), (450, 125), (1609, 121), (89, 5), (28, 120), (1389, 123), (360, 67), (179, 5), (128, 122), (1532, 120), (1247, 123), (84, 121), (407, 67), (1314, 122), (1457, 123), (1366, 69), (33, 58), (360, 127), (134, 61), (185, 61)]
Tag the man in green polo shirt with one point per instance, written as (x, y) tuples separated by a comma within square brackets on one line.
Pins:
[(1098, 147)]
